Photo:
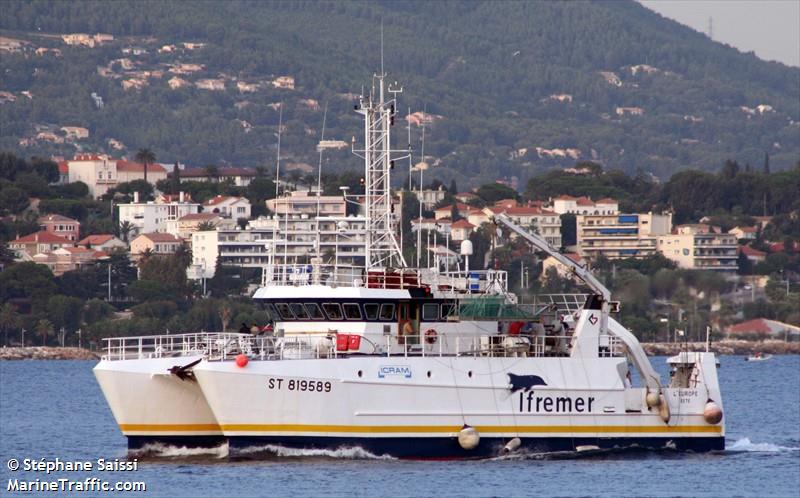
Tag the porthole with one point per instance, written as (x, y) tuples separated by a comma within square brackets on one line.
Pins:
[(360, 373), (469, 374), (429, 374)]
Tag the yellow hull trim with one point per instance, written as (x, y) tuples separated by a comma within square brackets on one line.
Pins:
[(427, 429)]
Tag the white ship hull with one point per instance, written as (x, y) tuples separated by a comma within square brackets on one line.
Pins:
[(150, 405), (395, 407)]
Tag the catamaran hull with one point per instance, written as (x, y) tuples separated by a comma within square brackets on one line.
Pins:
[(416, 407), (152, 406)]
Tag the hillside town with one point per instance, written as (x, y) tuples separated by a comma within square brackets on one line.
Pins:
[(222, 234)]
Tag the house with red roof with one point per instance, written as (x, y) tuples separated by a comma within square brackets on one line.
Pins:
[(567, 204), (61, 225), (229, 207), (157, 243), (102, 242), (542, 221), (447, 211), (562, 270), (461, 230), (102, 173), (40, 242), (187, 224), (762, 328), (753, 254), (744, 232), (67, 259)]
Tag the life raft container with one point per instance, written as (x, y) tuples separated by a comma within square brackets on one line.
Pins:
[(431, 336)]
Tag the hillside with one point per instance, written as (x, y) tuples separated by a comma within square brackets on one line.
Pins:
[(521, 87)]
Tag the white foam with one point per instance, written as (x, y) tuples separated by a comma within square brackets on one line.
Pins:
[(170, 451), (346, 453), (745, 444)]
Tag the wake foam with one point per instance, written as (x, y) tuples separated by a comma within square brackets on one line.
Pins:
[(160, 450), (344, 453), (745, 444)]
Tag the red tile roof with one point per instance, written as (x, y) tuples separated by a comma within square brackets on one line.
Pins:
[(565, 198), (749, 251), (123, 165), (607, 200), (95, 240), (220, 199), (57, 218), (459, 205), (462, 224), (757, 325), (160, 237), (198, 216), (43, 237), (584, 201)]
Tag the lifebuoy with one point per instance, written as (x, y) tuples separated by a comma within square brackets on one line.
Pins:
[(430, 336)]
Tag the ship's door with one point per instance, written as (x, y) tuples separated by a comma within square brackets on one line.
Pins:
[(407, 323)]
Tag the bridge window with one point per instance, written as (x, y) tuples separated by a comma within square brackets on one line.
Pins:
[(284, 311), (352, 311), (299, 311), (371, 310), (314, 312), (448, 309), (387, 312), (430, 312), (333, 310)]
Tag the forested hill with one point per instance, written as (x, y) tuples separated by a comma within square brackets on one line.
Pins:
[(520, 86)]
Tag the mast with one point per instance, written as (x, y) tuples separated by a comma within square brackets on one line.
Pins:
[(382, 248)]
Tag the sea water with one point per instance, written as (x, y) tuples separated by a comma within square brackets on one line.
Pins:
[(54, 410)]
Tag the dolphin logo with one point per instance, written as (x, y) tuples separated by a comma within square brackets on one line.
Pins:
[(524, 382)]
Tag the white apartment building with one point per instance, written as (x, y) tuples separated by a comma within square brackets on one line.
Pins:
[(541, 221), (342, 242), (566, 204), (617, 236), (150, 217), (102, 173), (304, 202), (430, 197), (699, 247)]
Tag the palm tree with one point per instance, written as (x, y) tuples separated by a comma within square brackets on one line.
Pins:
[(212, 172), (125, 228), (44, 328), (146, 157), (205, 226), (9, 320)]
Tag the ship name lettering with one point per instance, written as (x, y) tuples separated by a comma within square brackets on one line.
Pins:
[(530, 403)]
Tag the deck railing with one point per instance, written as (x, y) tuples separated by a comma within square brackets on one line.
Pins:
[(215, 346)]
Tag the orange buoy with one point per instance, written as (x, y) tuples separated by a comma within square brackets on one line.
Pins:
[(712, 413), (241, 360)]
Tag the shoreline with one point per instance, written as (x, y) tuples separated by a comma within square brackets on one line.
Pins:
[(723, 348)]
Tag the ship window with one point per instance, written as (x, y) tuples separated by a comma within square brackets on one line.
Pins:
[(352, 311), (371, 310), (448, 310), (271, 311), (430, 312), (314, 312), (387, 312), (333, 310), (299, 311), (284, 310)]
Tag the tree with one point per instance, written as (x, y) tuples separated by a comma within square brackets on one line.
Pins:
[(13, 200), (175, 179), (212, 172), (27, 280), (64, 311), (96, 310), (44, 328), (493, 192), (146, 157), (569, 230), (205, 226), (125, 228), (9, 320), (766, 163)]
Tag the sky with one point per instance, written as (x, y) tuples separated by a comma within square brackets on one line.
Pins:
[(770, 28)]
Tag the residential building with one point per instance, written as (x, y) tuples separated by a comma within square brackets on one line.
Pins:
[(40, 242), (466, 197), (761, 328), (229, 207), (61, 225), (156, 243), (754, 255), (567, 204), (241, 177), (545, 223), (184, 226), (562, 270), (102, 173), (303, 202), (103, 242), (699, 247), (341, 241), (461, 230), (66, 259), (63, 172), (442, 225), (618, 236), (429, 198), (447, 211), (148, 217), (744, 233)]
